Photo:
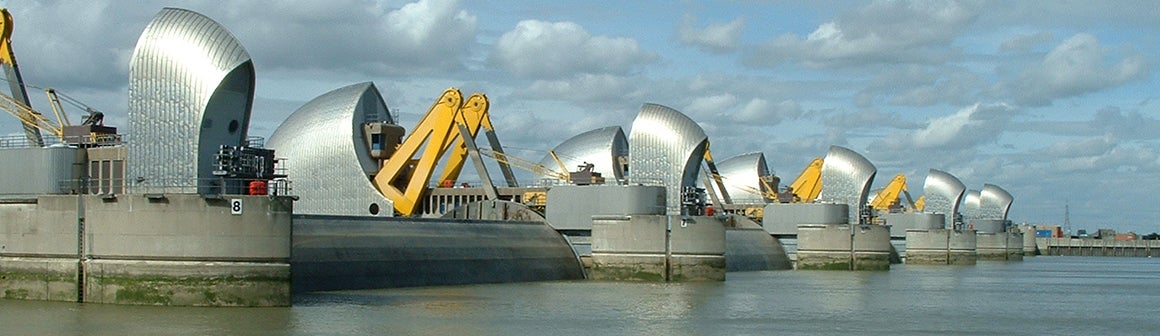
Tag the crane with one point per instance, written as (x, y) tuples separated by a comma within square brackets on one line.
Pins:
[(28, 117), (529, 166), (888, 199), (808, 185), (474, 115), (403, 177)]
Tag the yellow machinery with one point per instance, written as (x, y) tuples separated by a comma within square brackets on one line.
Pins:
[(529, 166), (403, 177), (450, 125), (18, 103), (888, 199), (920, 203), (808, 184), (716, 177)]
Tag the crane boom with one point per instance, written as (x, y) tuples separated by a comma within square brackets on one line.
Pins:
[(403, 177), (15, 81), (473, 115), (808, 184), (889, 196)]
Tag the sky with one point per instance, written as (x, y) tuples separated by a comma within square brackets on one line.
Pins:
[(1050, 100)]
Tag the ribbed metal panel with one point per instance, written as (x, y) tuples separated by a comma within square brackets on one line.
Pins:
[(742, 177), (994, 202), (666, 148), (600, 147), (846, 178), (943, 193), (326, 154), (970, 209), (191, 86)]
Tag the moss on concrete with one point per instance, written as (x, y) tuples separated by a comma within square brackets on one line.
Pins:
[(255, 291)]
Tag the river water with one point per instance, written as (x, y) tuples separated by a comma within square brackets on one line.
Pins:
[(1040, 296)]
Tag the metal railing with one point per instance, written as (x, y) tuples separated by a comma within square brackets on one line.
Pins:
[(209, 186)]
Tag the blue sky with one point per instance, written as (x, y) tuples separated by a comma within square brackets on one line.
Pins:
[(1051, 100)]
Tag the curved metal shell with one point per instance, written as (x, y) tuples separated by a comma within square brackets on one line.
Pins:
[(994, 202), (971, 204), (742, 177), (846, 178), (602, 147), (943, 193), (191, 86), (666, 148), (326, 154)]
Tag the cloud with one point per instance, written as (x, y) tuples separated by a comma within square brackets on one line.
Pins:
[(553, 50), (585, 88), (1025, 43), (716, 38), (965, 129), (1077, 66), (882, 32)]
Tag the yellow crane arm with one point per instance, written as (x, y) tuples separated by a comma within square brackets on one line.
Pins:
[(403, 178), (808, 185), (28, 116), (920, 203), (473, 115), (890, 194), (529, 166), (15, 81)]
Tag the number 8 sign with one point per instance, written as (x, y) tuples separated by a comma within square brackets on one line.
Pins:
[(236, 206)]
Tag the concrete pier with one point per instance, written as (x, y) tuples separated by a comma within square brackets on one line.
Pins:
[(1029, 247), (1000, 246), (783, 219), (157, 249), (843, 247), (658, 248), (941, 247), (1098, 247)]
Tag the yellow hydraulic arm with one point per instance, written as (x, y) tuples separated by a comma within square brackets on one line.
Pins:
[(920, 203), (403, 178), (15, 81), (725, 199), (473, 115), (808, 184), (891, 193)]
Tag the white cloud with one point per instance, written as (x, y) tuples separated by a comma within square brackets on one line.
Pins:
[(715, 38), (1077, 66), (882, 32), (552, 50), (970, 126)]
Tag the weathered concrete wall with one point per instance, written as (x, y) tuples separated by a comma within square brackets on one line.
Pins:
[(1099, 247), (1029, 247), (358, 252), (941, 247), (900, 223), (988, 225), (572, 207), (38, 278), (173, 250), (1015, 245), (188, 227), (187, 283), (783, 219), (963, 245), (992, 246), (838, 247), (641, 248), (44, 227), (927, 247)]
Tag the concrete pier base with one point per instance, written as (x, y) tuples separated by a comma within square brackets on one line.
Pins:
[(51, 279), (940, 247), (1029, 247), (843, 247), (1015, 249), (657, 248), (1000, 246), (187, 283), (963, 247)]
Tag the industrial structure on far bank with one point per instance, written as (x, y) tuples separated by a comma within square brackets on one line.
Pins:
[(194, 211)]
